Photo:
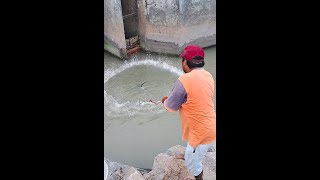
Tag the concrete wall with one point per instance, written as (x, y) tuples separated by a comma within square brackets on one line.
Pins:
[(167, 26), (114, 37)]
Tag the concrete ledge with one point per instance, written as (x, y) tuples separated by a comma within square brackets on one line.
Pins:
[(172, 48), (159, 46), (114, 49)]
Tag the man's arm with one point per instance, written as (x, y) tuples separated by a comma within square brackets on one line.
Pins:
[(177, 97)]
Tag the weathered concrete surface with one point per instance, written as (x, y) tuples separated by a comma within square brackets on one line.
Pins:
[(167, 26), (164, 26), (114, 37)]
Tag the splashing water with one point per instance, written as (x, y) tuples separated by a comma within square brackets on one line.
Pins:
[(141, 100), (109, 73)]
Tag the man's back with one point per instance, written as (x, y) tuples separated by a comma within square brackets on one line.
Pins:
[(197, 113)]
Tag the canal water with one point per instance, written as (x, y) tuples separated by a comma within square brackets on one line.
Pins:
[(136, 126)]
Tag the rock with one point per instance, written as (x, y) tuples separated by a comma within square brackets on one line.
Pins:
[(178, 149), (165, 167), (143, 171), (119, 171)]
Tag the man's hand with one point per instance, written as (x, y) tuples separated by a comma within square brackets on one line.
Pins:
[(164, 98)]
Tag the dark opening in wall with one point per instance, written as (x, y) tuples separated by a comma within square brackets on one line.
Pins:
[(130, 22)]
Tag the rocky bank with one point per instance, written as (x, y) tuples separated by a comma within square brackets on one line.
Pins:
[(165, 167)]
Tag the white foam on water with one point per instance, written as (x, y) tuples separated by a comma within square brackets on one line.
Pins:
[(113, 108), (109, 73)]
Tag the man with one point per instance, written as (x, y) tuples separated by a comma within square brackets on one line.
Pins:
[(193, 95)]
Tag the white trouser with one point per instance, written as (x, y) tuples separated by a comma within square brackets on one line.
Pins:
[(193, 160)]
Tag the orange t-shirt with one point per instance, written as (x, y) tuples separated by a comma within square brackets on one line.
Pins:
[(198, 118)]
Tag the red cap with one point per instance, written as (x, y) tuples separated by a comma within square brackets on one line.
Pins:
[(192, 51)]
